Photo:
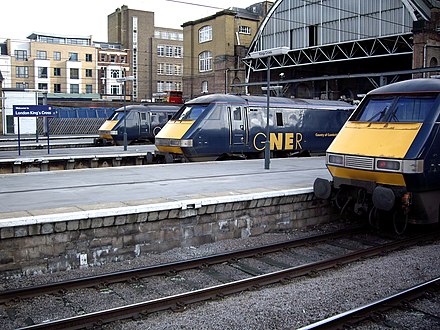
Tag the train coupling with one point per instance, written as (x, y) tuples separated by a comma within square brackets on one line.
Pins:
[(164, 158)]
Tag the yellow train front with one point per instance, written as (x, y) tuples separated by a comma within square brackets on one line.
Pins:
[(385, 161)]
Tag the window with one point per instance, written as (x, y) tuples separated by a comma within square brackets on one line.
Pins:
[(57, 88), (237, 113), (103, 57), (74, 73), (169, 69), (89, 89), (21, 85), (191, 112), (41, 55), (57, 56), (114, 89), (160, 50), (178, 69), (123, 59), (22, 72), (178, 51), (20, 55), (244, 29), (279, 119), (57, 72), (73, 56), (169, 51), (113, 58), (114, 73), (42, 86), (205, 34), (413, 109), (204, 87), (313, 35), (205, 61), (161, 68), (89, 57), (74, 89), (89, 73), (374, 110), (42, 72), (160, 86)]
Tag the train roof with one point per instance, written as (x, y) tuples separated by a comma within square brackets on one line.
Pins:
[(151, 107), (280, 101), (422, 85)]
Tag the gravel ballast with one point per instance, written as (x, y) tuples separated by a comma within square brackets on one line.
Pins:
[(301, 301)]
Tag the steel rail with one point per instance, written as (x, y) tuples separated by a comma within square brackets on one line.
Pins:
[(181, 300), (166, 268), (361, 313)]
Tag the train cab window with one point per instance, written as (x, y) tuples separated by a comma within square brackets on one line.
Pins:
[(143, 116), (117, 115), (191, 112), (154, 119), (412, 109), (374, 111), (279, 119), (237, 113)]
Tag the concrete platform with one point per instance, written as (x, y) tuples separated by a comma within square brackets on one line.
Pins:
[(37, 160), (25, 198), (53, 221)]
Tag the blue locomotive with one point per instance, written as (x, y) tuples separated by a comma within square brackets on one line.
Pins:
[(385, 161), (142, 122), (219, 126)]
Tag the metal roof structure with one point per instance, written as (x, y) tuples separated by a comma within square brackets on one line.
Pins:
[(328, 39), (337, 30)]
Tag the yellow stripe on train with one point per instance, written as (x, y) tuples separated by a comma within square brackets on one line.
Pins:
[(394, 179)]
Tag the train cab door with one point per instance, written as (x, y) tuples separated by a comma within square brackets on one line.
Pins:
[(238, 135), (144, 126)]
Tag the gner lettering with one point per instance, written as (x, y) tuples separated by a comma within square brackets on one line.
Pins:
[(279, 141)]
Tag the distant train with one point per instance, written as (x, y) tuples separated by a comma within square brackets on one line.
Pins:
[(218, 126), (385, 162), (142, 122)]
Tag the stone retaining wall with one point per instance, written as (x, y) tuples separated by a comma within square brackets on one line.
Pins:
[(56, 245)]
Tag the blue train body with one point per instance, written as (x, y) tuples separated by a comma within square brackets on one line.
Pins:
[(221, 126), (142, 123)]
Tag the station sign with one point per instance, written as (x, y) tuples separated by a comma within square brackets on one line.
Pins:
[(33, 111)]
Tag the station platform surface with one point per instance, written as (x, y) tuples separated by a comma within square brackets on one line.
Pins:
[(72, 152), (29, 197), (32, 142)]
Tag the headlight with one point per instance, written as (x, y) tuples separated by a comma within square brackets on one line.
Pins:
[(388, 165), (408, 166), (173, 142), (108, 132), (333, 159), (186, 143)]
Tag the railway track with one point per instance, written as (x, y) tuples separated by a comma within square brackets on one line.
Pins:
[(374, 312), (232, 272)]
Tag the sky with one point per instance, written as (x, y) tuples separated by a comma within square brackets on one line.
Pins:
[(89, 17)]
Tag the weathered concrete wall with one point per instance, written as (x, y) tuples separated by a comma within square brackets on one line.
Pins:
[(53, 245)]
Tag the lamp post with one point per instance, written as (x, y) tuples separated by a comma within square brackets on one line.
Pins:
[(260, 55), (124, 80)]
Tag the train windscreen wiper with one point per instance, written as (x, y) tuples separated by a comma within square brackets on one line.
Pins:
[(381, 113)]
